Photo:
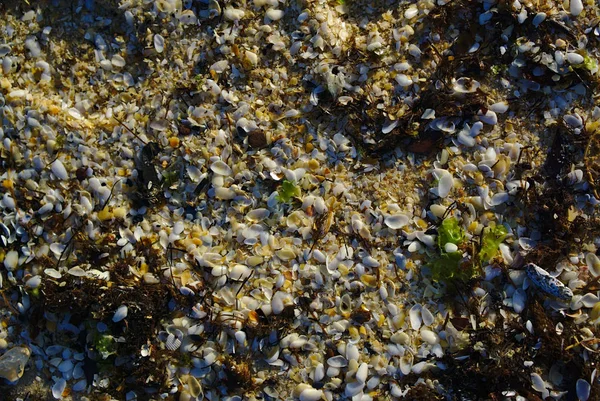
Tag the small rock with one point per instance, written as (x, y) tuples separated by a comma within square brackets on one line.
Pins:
[(12, 363), (257, 139)]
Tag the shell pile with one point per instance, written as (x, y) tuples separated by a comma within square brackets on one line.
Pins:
[(313, 200)]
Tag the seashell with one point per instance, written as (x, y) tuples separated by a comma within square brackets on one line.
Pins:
[(489, 117), (81, 385), (59, 171), (573, 120), (404, 80), (574, 58), (120, 314), (583, 389), (500, 107), (352, 352), (239, 272), (427, 316), (233, 14), (173, 340), (450, 247), (258, 214), (11, 260), (337, 361), (406, 363), (58, 388), (575, 7), (519, 298), (274, 14), (548, 284), (589, 300), (415, 317), (396, 221), (77, 271), (499, 198), (353, 388), (362, 372), (65, 366), (466, 85), (221, 168), (538, 19), (159, 43), (194, 386), (389, 126), (311, 394), (445, 182), (429, 337), (593, 264)]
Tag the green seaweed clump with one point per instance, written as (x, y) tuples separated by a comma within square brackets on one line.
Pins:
[(447, 266), (287, 191), (450, 231), (104, 345), (492, 238)]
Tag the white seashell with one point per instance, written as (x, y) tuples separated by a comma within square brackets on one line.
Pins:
[(429, 337), (593, 264), (34, 282), (427, 316), (120, 314), (583, 389), (277, 303), (239, 272), (274, 14), (77, 271), (445, 182), (53, 273), (575, 7), (311, 394), (519, 298), (589, 300), (353, 388), (421, 367), (233, 14), (538, 385), (11, 260), (500, 107), (319, 372), (221, 168), (415, 317), (352, 352), (465, 139), (337, 361), (466, 85), (573, 120), (8, 202), (174, 340), (411, 12), (159, 43), (396, 221), (499, 198), (406, 364), (389, 126), (258, 214), (489, 117), (58, 388), (574, 58), (362, 372), (403, 80), (450, 247), (59, 171)]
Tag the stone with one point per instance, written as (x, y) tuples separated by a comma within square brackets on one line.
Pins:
[(13, 362)]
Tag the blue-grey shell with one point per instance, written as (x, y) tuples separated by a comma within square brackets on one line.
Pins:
[(548, 284)]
